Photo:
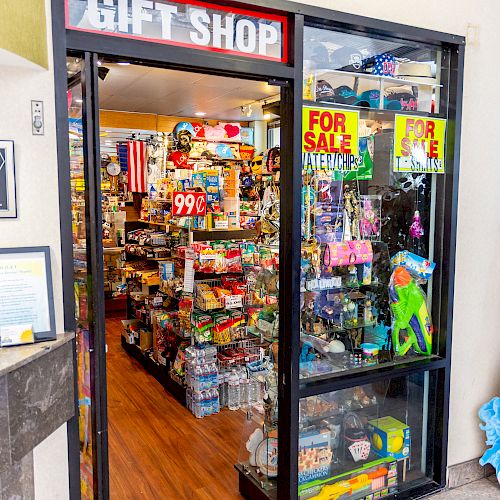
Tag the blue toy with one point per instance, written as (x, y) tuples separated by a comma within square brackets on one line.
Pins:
[(490, 415)]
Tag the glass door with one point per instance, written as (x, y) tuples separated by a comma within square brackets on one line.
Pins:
[(88, 281)]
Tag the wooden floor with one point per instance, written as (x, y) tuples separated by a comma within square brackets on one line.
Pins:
[(157, 448)]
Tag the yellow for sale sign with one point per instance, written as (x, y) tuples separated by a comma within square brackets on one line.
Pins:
[(330, 139), (419, 144)]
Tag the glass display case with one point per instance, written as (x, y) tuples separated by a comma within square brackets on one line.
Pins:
[(365, 440), (367, 366), (373, 133)]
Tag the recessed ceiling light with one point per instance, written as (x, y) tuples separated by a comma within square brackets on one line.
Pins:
[(123, 63), (200, 113), (79, 100), (267, 116)]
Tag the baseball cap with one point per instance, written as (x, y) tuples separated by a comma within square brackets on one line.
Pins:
[(404, 96), (371, 99), (317, 53), (347, 59), (340, 95)]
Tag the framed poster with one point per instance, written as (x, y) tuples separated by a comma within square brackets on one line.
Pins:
[(8, 203), (26, 294)]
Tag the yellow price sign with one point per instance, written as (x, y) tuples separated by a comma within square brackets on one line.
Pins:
[(330, 139), (419, 144)]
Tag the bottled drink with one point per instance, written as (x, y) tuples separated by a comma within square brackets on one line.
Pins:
[(215, 401), (253, 391), (198, 409), (244, 387), (233, 391), (223, 390)]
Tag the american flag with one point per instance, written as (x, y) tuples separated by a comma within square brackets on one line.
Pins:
[(136, 166)]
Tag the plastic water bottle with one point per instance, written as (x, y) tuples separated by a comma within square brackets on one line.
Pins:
[(215, 401), (198, 409), (244, 387), (253, 391), (214, 379), (233, 391), (223, 389)]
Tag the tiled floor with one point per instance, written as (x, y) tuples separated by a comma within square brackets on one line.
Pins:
[(485, 488)]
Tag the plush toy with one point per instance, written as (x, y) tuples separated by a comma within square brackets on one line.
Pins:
[(490, 415)]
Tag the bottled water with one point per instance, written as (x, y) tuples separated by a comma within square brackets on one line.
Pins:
[(244, 387), (233, 391), (223, 389), (254, 391), (214, 399)]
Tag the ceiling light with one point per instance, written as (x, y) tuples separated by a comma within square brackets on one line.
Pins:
[(99, 63), (200, 113), (123, 63), (79, 101), (267, 116)]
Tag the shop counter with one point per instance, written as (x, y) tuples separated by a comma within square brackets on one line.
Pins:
[(36, 398)]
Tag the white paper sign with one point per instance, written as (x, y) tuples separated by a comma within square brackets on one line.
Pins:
[(24, 295)]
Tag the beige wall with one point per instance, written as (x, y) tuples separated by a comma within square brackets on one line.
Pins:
[(476, 341), (38, 218)]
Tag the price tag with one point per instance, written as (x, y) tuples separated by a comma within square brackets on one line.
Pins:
[(191, 204), (234, 301), (189, 272)]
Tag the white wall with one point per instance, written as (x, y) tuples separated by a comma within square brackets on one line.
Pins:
[(38, 218), (50, 459), (476, 339)]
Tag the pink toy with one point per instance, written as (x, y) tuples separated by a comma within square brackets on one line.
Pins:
[(345, 253), (416, 229)]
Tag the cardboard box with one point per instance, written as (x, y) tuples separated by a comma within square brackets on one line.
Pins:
[(145, 339), (315, 455), (390, 437)]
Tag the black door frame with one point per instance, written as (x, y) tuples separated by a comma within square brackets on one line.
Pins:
[(290, 77)]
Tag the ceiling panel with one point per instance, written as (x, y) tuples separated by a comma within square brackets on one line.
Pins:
[(143, 89)]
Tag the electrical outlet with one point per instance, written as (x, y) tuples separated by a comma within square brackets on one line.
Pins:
[(37, 120)]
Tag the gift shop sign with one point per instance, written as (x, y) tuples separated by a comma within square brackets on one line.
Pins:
[(185, 23), (419, 144), (330, 139), (190, 204)]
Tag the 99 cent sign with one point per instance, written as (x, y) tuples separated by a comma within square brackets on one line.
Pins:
[(189, 204), (189, 23)]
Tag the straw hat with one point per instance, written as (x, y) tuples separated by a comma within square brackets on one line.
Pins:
[(416, 72)]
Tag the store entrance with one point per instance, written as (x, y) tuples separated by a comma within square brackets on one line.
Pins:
[(187, 183)]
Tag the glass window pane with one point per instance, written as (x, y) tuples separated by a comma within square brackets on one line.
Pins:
[(82, 275), (366, 440), (370, 183), (366, 72)]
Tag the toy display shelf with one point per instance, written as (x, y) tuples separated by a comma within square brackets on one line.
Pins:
[(370, 76), (370, 113)]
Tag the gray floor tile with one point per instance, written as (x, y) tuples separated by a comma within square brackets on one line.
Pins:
[(478, 489)]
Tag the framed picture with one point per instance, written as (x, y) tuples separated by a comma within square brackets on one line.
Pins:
[(8, 202), (26, 293)]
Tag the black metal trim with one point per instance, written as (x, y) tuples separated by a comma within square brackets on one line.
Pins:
[(354, 378), (290, 252), (177, 57), (90, 93), (450, 229), (65, 221)]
